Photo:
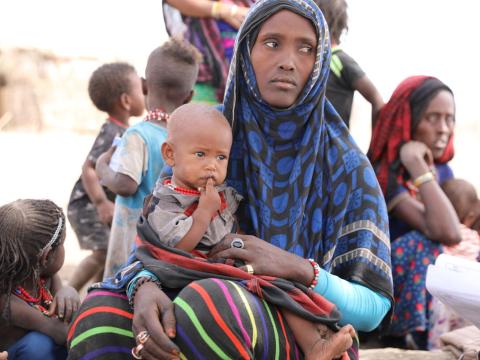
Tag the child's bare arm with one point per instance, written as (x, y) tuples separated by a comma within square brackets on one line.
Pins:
[(368, 90), (208, 205), (66, 299), (29, 318), (120, 184), (95, 192)]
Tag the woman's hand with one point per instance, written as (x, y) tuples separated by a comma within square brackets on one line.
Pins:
[(416, 157), (233, 15), (265, 258), (153, 312), (65, 303)]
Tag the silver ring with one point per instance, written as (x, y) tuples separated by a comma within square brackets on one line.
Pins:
[(237, 243)]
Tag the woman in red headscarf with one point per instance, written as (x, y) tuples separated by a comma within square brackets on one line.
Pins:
[(410, 149)]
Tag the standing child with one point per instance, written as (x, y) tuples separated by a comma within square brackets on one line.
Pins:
[(171, 73), (346, 76), (194, 210), (117, 90), (36, 308)]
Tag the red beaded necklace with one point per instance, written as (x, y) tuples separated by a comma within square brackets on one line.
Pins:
[(157, 114), (117, 122), (41, 302), (168, 183)]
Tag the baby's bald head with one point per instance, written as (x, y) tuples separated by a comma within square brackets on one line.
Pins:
[(194, 120)]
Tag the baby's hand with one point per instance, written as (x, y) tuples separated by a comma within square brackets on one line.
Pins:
[(3, 355), (65, 303), (209, 198)]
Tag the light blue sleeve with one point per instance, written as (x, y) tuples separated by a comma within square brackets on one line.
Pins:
[(359, 306)]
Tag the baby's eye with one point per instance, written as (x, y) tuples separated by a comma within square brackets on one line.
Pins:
[(199, 154), (221, 157)]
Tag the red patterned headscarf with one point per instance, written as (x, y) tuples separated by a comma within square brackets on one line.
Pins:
[(394, 127)]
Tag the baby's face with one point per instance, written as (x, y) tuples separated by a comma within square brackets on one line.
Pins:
[(200, 154)]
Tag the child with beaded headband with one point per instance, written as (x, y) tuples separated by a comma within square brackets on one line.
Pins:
[(36, 307), (170, 75)]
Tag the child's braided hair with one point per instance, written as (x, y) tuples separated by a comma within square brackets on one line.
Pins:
[(27, 227)]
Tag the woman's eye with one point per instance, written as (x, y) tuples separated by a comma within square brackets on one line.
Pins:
[(432, 118), (450, 120), (199, 154), (306, 49), (271, 44)]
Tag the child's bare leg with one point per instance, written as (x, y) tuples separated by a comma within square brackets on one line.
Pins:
[(88, 268), (316, 340)]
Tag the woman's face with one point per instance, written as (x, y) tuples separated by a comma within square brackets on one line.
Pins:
[(437, 122), (283, 57)]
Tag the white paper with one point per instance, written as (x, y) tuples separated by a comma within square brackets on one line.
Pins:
[(456, 283)]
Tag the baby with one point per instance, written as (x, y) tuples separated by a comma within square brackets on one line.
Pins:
[(464, 199), (194, 209)]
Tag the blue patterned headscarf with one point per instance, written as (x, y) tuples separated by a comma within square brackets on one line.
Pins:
[(308, 188)]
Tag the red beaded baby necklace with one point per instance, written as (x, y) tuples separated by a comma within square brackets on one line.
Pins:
[(168, 183), (41, 302)]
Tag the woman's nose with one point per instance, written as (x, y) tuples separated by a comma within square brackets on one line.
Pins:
[(444, 125), (287, 63)]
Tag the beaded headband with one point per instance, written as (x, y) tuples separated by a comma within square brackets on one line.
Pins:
[(54, 238)]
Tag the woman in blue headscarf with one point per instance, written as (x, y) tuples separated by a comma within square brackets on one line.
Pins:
[(313, 211)]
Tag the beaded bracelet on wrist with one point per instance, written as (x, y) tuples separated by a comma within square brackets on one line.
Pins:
[(138, 283), (316, 273)]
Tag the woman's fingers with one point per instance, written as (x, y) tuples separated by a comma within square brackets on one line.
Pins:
[(154, 313), (159, 344), (168, 321), (226, 243), (232, 253)]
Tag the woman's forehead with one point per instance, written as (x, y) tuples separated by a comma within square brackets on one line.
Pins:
[(285, 21)]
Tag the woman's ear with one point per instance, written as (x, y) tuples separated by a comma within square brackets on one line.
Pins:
[(167, 154)]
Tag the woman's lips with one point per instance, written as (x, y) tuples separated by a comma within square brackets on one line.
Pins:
[(284, 83)]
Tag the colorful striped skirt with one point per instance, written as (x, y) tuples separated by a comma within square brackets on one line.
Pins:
[(215, 319)]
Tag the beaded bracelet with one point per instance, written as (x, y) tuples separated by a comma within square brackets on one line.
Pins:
[(424, 178), (316, 273), (138, 283)]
